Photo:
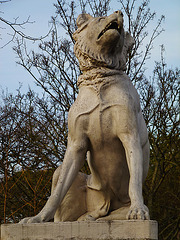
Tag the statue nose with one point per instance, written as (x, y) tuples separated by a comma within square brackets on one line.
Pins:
[(119, 13)]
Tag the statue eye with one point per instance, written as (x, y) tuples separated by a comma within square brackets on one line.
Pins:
[(101, 18)]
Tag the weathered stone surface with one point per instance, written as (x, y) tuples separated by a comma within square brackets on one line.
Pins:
[(106, 230)]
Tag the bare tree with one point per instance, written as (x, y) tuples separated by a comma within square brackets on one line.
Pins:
[(17, 28), (161, 113), (55, 70), (32, 143)]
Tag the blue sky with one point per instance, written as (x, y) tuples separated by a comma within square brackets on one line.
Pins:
[(42, 10)]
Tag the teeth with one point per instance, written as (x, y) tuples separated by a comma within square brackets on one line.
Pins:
[(119, 21), (107, 27)]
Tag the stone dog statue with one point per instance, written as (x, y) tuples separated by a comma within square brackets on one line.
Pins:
[(106, 126)]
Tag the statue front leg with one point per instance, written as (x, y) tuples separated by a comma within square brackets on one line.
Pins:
[(134, 156), (73, 161)]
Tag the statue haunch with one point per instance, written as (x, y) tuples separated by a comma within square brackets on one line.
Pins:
[(106, 126)]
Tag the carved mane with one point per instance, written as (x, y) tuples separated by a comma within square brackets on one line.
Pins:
[(89, 58)]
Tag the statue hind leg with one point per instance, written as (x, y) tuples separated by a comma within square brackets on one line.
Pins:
[(74, 203)]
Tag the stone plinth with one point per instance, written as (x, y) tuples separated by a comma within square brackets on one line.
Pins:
[(119, 230)]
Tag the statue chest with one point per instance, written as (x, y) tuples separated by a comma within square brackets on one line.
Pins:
[(111, 93), (102, 103)]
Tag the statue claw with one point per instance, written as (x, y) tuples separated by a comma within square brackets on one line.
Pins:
[(140, 213), (24, 220), (35, 219)]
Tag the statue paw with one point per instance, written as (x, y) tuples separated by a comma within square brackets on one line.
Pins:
[(141, 213), (86, 217), (24, 220), (35, 219)]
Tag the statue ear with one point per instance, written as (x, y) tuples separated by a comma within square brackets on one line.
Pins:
[(128, 44), (82, 22), (128, 41), (83, 18)]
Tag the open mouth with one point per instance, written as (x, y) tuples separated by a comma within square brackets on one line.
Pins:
[(112, 25)]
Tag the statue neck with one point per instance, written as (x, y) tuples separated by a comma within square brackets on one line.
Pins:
[(97, 76)]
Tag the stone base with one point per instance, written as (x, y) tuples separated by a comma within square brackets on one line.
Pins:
[(100, 230)]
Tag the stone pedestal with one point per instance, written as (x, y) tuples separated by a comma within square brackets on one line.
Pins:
[(119, 230)]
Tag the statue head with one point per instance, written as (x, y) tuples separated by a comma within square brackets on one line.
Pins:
[(101, 41)]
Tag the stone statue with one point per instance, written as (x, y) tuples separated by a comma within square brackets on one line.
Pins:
[(107, 128)]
